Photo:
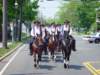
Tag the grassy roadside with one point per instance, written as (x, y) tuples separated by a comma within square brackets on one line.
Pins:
[(3, 51)]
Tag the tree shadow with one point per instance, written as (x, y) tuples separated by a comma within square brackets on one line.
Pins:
[(76, 67)]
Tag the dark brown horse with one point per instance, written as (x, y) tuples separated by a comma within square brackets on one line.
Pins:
[(37, 48), (67, 47), (52, 45)]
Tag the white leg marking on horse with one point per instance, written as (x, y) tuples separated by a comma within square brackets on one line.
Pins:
[(64, 61), (54, 57), (49, 55), (67, 62), (36, 58)]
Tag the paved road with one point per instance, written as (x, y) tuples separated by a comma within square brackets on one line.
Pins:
[(22, 63)]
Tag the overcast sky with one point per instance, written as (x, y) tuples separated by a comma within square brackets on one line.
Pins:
[(49, 8)]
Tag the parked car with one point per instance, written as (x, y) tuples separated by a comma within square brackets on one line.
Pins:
[(95, 37)]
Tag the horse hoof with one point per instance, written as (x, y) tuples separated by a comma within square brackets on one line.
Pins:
[(35, 65), (65, 66)]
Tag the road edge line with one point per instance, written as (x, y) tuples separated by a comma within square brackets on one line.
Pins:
[(8, 53), (10, 61)]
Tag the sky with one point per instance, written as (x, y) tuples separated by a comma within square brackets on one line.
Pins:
[(49, 9)]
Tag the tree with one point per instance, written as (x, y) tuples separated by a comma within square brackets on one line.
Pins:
[(69, 11), (87, 13), (29, 10), (0, 15), (80, 12), (25, 13)]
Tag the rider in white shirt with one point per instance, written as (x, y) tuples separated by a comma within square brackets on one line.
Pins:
[(33, 36), (49, 29), (53, 29), (66, 28)]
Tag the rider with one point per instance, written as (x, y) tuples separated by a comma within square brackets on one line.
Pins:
[(66, 28), (35, 31), (38, 29), (67, 32), (33, 36)]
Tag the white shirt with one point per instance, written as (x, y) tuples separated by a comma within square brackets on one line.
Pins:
[(37, 30), (49, 30), (43, 32), (70, 31), (53, 30), (33, 31), (66, 28)]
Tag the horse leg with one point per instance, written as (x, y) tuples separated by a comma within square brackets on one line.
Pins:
[(68, 59), (49, 55), (52, 55), (34, 60), (63, 54), (65, 66), (30, 46), (37, 60)]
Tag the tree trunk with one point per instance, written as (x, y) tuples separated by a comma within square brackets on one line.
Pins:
[(4, 25), (20, 18)]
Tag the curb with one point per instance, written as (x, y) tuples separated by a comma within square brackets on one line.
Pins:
[(13, 50)]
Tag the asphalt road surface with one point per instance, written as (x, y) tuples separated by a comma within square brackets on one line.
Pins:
[(21, 63)]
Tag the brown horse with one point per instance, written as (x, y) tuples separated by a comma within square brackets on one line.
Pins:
[(52, 45), (37, 48)]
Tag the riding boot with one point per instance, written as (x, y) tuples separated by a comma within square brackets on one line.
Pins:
[(65, 66), (31, 52), (74, 45), (35, 65)]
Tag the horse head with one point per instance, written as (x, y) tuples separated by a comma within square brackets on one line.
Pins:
[(66, 41), (39, 40)]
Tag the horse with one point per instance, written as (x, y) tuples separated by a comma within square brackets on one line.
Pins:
[(66, 45), (52, 45), (37, 48)]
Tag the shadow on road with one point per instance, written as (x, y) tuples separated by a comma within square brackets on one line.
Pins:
[(58, 61), (76, 67), (48, 67), (31, 74)]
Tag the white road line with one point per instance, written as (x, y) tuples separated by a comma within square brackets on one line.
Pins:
[(10, 61)]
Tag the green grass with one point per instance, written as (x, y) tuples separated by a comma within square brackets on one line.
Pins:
[(3, 51), (10, 47)]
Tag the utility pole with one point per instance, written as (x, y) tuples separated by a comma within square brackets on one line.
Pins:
[(4, 25)]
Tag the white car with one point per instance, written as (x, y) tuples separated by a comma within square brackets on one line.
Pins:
[(93, 38)]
